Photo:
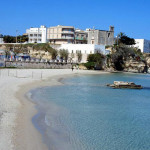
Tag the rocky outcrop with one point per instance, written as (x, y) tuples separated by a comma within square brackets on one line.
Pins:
[(148, 64), (109, 69), (130, 65), (82, 67), (40, 54), (135, 66)]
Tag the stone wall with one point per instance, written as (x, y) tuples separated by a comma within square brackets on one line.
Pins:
[(38, 65)]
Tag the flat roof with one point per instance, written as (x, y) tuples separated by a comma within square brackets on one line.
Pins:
[(62, 26)]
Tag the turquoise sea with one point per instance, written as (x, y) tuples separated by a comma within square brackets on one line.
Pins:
[(84, 114)]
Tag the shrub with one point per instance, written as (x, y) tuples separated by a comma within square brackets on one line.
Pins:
[(90, 65)]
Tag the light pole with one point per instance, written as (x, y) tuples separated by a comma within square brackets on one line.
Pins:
[(16, 35)]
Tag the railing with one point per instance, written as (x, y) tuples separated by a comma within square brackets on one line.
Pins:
[(68, 32), (67, 37), (79, 38)]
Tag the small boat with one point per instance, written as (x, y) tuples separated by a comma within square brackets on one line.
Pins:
[(126, 85)]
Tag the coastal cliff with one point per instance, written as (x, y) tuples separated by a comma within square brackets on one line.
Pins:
[(131, 65), (128, 59)]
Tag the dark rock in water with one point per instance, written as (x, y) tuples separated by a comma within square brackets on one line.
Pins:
[(125, 85)]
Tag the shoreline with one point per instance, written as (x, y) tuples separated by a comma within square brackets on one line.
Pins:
[(24, 135), (29, 109)]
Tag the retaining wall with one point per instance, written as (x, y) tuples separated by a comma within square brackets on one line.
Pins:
[(38, 65)]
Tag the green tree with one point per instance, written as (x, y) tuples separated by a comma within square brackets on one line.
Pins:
[(64, 54), (97, 58), (94, 61), (123, 39), (122, 53), (79, 55), (22, 38), (12, 39), (54, 54), (9, 39)]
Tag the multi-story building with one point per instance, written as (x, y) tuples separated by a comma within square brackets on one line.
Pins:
[(61, 34), (101, 37), (1, 38), (37, 35), (68, 35), (80, 36), (143, 45)]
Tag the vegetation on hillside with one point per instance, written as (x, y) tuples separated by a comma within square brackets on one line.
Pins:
[(95, 61), (122, 51)]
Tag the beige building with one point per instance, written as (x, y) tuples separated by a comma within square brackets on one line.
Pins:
[(61, 34), (80, 36)]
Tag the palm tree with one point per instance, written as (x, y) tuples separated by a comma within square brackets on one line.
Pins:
[(121, 34)]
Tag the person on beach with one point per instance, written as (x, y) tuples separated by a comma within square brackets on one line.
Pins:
[(72, 68)]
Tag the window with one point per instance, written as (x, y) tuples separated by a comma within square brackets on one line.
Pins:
[(92, 42)]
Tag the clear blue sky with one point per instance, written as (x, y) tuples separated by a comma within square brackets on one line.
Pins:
[(129, 16)]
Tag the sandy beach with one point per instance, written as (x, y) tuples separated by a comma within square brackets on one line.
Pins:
[(16, 129)]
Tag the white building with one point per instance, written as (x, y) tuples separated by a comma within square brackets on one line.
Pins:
[(37, 35), (1, 38), (84, 49), (143, 45)]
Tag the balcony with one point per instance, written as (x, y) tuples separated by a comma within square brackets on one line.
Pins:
[(80, 38), (67, 37), (67, 32)]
